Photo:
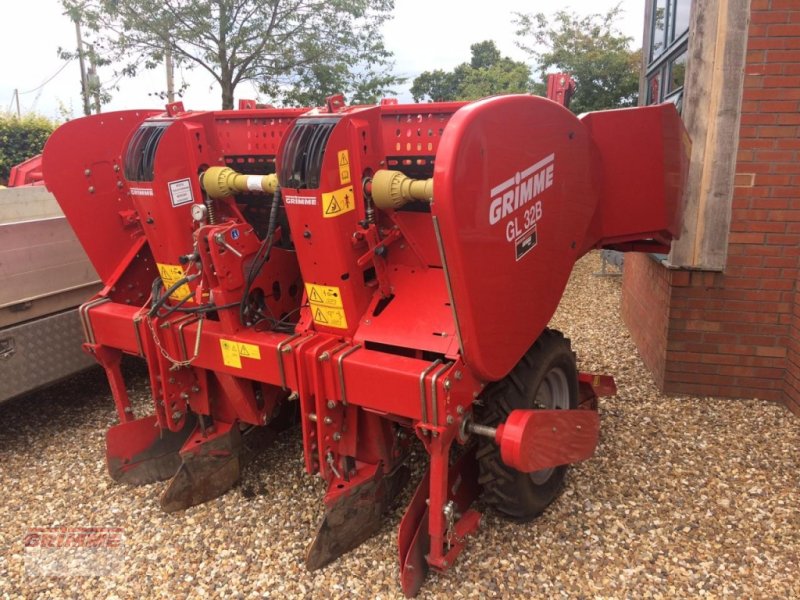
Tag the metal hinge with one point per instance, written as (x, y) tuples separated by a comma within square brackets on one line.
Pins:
[(7, 348)]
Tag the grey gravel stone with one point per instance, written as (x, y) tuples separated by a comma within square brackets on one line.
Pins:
[(686, 497)]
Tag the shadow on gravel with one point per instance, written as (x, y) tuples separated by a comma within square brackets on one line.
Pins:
[(81, 401)]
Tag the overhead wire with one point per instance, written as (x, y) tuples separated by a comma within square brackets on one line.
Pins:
[(48, 80)]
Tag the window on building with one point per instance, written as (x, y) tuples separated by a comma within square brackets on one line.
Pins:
[(677, 73), (669, 35), (659, 25)]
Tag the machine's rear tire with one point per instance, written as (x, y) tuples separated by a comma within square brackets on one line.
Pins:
[(545, 377)]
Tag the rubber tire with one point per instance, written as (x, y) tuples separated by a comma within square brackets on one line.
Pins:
[(513, 493)]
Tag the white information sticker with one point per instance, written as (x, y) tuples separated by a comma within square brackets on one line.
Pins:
[(180, 192)]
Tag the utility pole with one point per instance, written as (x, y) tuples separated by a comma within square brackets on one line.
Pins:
[(94, 80), (170, 75), (16, 96), (87, 109)]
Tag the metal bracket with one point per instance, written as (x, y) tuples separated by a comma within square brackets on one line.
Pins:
[(83, 312), (281, 368), (422, 394), (137, 319), (434, 401), (181, 339), (340, 363)]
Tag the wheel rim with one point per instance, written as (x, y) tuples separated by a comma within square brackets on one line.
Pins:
[(553, 394)]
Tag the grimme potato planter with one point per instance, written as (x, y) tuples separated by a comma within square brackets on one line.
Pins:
[(386, 272)]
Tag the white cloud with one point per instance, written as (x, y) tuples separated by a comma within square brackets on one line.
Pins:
[(425, 34)]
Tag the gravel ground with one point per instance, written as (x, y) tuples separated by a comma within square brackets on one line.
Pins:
[(686, 497)]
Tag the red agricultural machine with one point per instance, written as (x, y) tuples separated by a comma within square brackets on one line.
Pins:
[(388, 272)]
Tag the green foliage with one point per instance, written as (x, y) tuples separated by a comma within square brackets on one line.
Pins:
[(591, 48), (21, 139), (297, 51), (488, 73), (358, 69)]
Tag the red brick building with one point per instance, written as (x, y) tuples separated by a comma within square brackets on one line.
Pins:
[(720, 315)]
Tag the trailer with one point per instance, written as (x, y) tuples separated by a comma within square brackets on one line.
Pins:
[(46, 275)]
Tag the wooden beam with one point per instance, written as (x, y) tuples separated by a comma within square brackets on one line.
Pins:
[(711, 111)]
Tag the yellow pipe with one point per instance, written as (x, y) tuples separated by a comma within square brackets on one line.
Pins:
[(393, 189), (221, 182)]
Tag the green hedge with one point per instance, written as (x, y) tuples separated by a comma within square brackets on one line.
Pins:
[(20, 139)]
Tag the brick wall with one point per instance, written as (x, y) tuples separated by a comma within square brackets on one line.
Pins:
[(645, 308), (737, 333)]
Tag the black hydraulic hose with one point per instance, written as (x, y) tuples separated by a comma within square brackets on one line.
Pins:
[(158, 301), (259, 261)]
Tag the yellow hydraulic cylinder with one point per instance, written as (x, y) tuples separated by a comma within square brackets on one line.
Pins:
[(221, 182), (393, 189)]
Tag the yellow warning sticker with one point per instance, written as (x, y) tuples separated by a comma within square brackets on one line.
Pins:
[(325, 295), (338, 202), (344, 166), (233, 352), (170, 275), (330, 317)]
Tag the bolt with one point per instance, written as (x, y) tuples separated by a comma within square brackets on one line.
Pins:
[(91, 189), (447, 384), (450, 419), (307, 234), (195, 388), (87, 172), (380, 250), (116, 168), (337, 436), (460, 410), (458, 375), (219, 238), (324, 356), (171, 380), (312, 417), (328, 421), (286, 349), (184, 396), (119, 184), (331, 403), (293, 396), (176, 416)]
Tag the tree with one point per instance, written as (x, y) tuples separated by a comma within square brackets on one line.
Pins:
[(488, 73), (21, 139), (318, 45), (591, 48)]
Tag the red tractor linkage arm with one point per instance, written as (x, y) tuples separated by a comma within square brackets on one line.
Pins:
[(386, 272)]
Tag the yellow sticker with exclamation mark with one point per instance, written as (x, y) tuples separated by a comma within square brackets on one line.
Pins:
[(344, 166), (326, 305)]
